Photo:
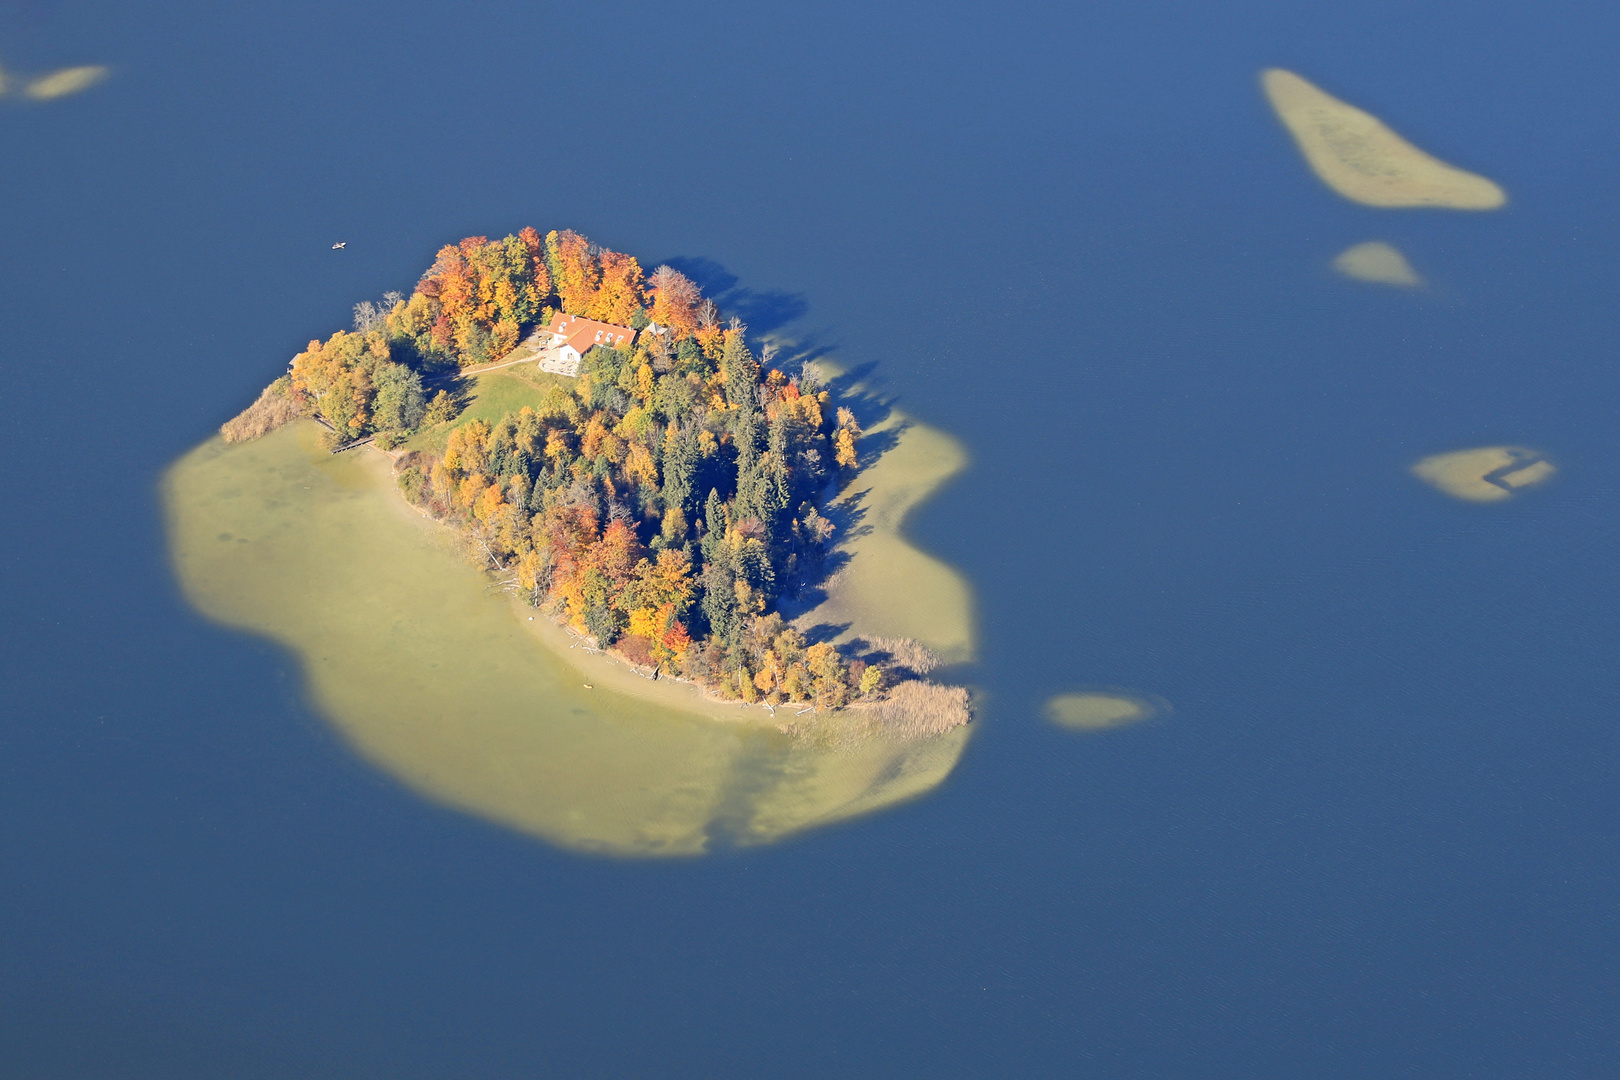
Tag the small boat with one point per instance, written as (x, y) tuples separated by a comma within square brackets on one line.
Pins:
[(340, 245)]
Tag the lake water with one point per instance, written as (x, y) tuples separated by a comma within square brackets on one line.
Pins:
[(1373, 835)]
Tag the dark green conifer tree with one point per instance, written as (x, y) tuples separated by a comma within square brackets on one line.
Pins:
[(780, 478), (742, 373), (680, 468), (716, 521)]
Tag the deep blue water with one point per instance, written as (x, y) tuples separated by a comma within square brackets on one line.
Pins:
[(1376, 837)]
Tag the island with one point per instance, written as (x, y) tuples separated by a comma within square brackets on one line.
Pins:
[(682, 527)]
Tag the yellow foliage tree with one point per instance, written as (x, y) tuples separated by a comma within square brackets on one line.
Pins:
[(619, 293), (640, 466), (469, 490), (644, 621), (488, 504), (844, 449)]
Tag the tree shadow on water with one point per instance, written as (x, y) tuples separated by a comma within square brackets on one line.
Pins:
[(812, 590), (874, 445), (856, 390), (763, 311), (823, 632)]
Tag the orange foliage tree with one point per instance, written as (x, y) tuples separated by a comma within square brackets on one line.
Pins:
[(666, 498)]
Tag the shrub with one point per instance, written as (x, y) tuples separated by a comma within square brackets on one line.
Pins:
[(413, 484), (636, 649)]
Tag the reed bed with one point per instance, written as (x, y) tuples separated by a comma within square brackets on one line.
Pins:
[(914, 709), (270, 411), (901, 654)]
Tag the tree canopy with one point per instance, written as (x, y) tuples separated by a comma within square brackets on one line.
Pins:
[(662, 502)]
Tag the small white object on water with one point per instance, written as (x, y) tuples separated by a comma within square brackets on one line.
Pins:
[(340, 245)]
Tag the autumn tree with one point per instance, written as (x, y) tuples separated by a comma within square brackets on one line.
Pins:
[(675, 300), (619, 292), (574, 273), (352, 383), (669, 494), (471, 305)]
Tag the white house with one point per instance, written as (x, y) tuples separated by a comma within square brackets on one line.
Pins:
[(572, 337)]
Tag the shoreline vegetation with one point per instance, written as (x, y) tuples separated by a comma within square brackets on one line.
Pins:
[(671, 506)]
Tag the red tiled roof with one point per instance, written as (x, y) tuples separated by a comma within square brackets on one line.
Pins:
[(581, 334)]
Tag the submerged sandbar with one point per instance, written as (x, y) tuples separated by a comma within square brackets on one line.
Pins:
[(1485, 473), (1378, 262), (1361, 158), (888, 587), (439, 681), (67, 81), (1099, 711)]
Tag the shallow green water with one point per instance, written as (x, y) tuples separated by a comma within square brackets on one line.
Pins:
[(438, 680)]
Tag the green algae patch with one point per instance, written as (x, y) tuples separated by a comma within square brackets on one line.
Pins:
[(1358, 156), (888, 587), (1092, 711), (1486, 473), (1379, 263), (451, 688)]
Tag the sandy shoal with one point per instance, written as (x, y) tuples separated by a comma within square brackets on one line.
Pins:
[(1361, 158), (436, 679)]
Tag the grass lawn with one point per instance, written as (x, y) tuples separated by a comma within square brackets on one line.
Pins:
[(494, 394)]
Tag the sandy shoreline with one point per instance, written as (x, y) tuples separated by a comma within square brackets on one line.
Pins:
[(895, 590), (603, 671), (437, 681), (596, 669)]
